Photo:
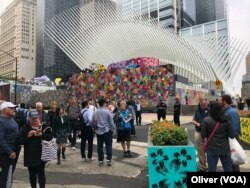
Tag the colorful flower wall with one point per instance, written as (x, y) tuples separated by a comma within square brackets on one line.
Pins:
[(146, 83)]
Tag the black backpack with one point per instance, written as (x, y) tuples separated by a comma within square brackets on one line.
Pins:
[(83, 124), (21, 117)]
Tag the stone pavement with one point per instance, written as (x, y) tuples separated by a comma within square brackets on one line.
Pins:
[(124, 172)]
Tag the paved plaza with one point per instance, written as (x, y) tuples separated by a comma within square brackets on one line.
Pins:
[(124, 173)]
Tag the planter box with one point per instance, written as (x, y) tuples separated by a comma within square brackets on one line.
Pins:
[(168, 165)]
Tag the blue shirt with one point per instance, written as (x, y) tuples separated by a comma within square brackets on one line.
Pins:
[(87, 116), (234, 119), (9, 131), (103, 121), (199, 115)]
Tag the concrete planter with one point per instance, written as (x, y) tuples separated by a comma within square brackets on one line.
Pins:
[(168, 165)]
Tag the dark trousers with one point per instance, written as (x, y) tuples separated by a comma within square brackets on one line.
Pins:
[(132, 127), (107, 139), (161, 115), (37, 172), (87, 135), (176, 118), (212, 160), (73, 125), (5, 164), (138, 117)]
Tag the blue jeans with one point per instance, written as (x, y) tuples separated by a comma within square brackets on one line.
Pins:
[(107, 139), (212, 160)]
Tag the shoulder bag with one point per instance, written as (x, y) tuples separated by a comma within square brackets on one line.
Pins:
[(210, 136), (49, 149)]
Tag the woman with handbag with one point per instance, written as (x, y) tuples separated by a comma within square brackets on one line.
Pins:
[(215, 130), (31, 137)]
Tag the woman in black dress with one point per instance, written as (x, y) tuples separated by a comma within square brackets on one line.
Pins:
[(60, 130)]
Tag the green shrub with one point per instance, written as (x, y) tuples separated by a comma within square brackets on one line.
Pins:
[(166, 133)]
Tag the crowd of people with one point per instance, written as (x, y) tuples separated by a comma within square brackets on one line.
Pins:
[(27, 128)]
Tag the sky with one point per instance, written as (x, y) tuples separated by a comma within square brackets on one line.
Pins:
[(239, 19), (239, 25)]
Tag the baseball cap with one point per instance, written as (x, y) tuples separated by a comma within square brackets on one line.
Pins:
[(34, 114), (7, 105)]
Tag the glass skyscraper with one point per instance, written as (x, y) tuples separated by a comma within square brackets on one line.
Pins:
[(164, 12), (210, 10), (187, 13), (168, 13), (50, 60)]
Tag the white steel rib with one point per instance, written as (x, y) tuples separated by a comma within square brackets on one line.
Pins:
[(102, 34)]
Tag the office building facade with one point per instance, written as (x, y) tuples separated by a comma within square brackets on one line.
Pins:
[(50, 59), (17, 38), (164, 12), (173, 14), (188, 17), (210, 10), (217, 28)]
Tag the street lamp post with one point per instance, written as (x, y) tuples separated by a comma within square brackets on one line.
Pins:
[(15, 73)]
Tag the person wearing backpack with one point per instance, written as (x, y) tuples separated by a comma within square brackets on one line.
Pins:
[(21, 116), (123, 125), (87, 133)]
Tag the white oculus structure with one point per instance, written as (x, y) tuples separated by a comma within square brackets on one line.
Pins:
[(104, 35)]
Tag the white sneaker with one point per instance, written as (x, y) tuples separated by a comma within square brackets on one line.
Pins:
[(84, 159), (74, 148), (92, 159)]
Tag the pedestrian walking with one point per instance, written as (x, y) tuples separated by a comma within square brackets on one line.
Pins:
[(138, 112), (103, 125), (177, 111), (87, 133), (52, 111), (9, 148), (73, 111), (60, 129), (21, 115), (43, 116)]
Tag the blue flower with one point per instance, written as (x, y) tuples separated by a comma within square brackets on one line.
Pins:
[(158, 161)]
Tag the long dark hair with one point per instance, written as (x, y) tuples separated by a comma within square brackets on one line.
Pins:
[(217, 112)]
